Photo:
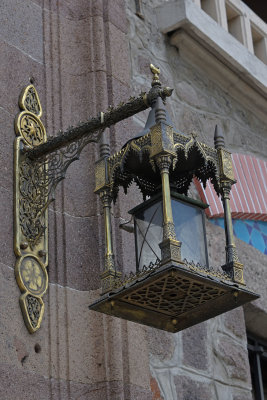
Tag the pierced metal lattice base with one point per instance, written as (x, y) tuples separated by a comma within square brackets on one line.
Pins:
[(173, 298)]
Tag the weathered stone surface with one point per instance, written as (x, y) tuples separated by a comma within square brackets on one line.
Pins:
[(195, 346), (35, 386), (155, 389), (7, 139), (216, 244), (189, 389), (17, 68), (135, 346), (6, 232), (79, 186), (71, 10), (77, 265), (115, 13), (256, 320), (234, 358), (161, 344), (256, 275), (25, 26), (118, 56), (238, 395), (75, 37), (234, 321)]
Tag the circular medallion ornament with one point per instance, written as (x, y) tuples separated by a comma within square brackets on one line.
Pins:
[(32, 275), (30, 127)]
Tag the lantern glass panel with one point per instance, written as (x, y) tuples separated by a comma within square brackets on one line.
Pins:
[(189, 224)]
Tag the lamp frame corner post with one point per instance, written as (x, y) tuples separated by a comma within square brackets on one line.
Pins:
[(110, 272), (233, 266), (164, 156)]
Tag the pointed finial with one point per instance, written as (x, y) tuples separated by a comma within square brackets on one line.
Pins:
[(155, 71), (218, 137)]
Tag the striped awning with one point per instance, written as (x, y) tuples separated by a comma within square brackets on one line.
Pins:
[(248, 196)]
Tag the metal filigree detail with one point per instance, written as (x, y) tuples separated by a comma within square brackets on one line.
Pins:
[(31, 218), (29, 101), (142, 273), (170, 251), (56, 164), (32, 279), (30, 127), (169, 231), (226, 165), (143, 151), (231, 254), (207, 271), (174, 294), (34, 309), (33, 191)]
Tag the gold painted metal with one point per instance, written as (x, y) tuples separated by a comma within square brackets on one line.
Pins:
[(172, 294), (109, 274), (170, 246), (233, 266), (155, 71), (172, 298), (30, 211)]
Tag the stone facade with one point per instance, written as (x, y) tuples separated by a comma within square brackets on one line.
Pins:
[(82, 56), (210, 360)]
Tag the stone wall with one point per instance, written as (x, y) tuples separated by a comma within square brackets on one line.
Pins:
[(208, 361), (82, 56), (76, 54)]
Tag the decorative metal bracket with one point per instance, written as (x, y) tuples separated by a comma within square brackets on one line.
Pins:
[(39, 165), (30, 207)]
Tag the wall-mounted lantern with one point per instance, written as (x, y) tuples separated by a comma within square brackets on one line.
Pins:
[(173, 286)]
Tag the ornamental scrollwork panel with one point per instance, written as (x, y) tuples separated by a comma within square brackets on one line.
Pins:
[(31, 197)]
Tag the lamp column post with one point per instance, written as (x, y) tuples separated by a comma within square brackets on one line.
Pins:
[(233, 266), (109, 273), (163, 154)]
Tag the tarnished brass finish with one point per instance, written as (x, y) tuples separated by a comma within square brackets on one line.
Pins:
[(89, 130), (170, 246), (233, 266), (155, 71), (136, 162), (31, 219), (226, 166), (173, 298), (174, 294), (101, 175), (171, 295), (109, 274)]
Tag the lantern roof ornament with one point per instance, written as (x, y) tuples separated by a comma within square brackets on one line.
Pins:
[(173, 286), (135, 162)]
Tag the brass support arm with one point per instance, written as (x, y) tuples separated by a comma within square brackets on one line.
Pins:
[(104, 120)]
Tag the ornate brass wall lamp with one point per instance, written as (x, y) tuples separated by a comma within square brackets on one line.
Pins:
[(173, 286)]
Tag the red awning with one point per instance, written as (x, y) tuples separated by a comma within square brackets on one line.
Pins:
[(248, 196)]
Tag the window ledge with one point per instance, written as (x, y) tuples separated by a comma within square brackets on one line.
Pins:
[(208, 45)]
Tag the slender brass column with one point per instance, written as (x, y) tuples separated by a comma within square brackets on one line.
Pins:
[(164, 163), (233, 266), (170, 246), (109, 274), (230, 248)]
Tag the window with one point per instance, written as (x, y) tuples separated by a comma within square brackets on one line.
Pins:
[(258, 366)]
